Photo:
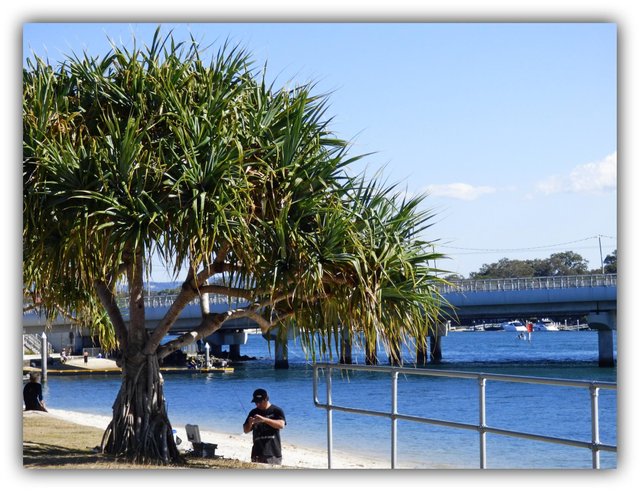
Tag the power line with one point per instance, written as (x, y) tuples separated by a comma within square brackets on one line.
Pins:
[(530, 248)]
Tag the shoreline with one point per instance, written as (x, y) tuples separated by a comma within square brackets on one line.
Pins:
[(238, 446)]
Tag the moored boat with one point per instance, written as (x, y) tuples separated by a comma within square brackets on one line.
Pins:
[(545, 324), (514, 325)]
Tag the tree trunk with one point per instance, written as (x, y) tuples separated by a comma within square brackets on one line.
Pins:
[(140, 430)]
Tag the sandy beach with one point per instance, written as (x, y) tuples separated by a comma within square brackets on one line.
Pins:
[(238, 446)]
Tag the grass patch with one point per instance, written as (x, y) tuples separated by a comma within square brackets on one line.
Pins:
[(52, 443)]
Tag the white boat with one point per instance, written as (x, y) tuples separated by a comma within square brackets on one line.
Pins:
[(514, 325), (545, 324)]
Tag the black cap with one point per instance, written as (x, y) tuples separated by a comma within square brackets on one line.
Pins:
[(259, 395)]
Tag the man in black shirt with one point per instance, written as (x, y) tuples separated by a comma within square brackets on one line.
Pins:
[(265, 421), (32, 394)]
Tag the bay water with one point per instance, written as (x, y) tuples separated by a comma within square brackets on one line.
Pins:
[(220, 402)]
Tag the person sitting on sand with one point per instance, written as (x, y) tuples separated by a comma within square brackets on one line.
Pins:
[(266, 421), (32, 394)]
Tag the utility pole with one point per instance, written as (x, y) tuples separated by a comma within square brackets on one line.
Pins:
[(601, 260)]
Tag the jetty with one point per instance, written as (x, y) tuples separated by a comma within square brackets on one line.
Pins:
[(76, 365)]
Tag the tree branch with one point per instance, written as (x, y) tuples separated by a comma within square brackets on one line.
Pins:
[(108, 300), (184, 297), (280, 318), (191, 288), (29, 307), (218, 265), (195, 285), (210, 323), (264, 324)]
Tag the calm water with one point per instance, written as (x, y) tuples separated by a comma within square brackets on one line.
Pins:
[(220, 401)]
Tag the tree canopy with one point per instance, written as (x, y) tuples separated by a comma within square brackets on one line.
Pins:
[(611, 262), (558, 264), (154, 152)]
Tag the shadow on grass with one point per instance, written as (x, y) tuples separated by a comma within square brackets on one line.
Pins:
[(38, 454)]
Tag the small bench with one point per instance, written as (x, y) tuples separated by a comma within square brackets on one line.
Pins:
[(200, 449)]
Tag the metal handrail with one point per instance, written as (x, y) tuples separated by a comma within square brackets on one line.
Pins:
[(593, 386)]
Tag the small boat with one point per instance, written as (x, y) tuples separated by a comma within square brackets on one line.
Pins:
[(514, 325), (492, 327), (545, 324)]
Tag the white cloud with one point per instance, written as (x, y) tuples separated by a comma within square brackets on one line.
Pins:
[(460, 191), (587, 178), (593, 177)]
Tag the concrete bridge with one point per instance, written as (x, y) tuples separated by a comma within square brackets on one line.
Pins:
[(594, 296), (528, 297), (63, 333)]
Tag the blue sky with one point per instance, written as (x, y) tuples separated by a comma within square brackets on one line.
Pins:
[(510, 127)]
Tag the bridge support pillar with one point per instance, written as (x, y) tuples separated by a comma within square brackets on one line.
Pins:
[(216, 350), (431, 345), (421, 352), (282, 354), (605, 348), (435, 348), (281, 342), (345, 347), (234, 351), (395, 359), (605, 322), (371, 352)]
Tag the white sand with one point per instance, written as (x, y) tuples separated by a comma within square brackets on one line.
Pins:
[(238, 446)]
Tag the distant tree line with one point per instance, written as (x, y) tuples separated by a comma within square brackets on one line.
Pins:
[(558, 264)]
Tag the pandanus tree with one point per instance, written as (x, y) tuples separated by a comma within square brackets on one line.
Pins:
[(153, 152)]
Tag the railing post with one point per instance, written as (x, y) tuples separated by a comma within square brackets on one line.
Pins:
[(595, 428), (44, 356), (482, 382), (329, 420), (394, 421)]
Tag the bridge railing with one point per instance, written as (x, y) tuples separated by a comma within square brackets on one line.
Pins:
[(481, 427), (530, 283), (474, 285), (167, 300), (470, 285)]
